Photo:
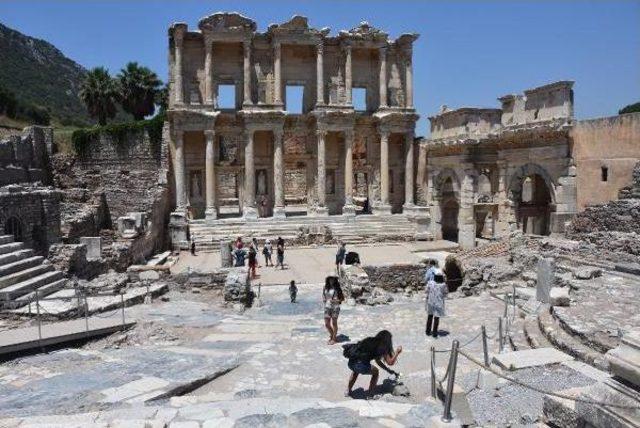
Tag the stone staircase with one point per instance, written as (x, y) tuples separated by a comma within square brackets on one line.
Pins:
[(359, 229), (22, 273)]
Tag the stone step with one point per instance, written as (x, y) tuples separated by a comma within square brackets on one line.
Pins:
[(43, 291), (6, 239), (24, 275), (517, 338), (532, 333), (21, 264), (11, 247), (15, 256), (16, 290), (566, 343)]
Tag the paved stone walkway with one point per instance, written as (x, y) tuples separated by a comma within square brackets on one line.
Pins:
[(282, 371)]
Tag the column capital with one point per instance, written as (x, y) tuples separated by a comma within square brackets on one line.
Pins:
[(321, 133), (348, 135), (320, 47), (278, 133), (383, 49), (209, 133), (179, 31), (346, 47)]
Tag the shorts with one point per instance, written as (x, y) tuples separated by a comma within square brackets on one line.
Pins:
[(360, 367), (332, 312)]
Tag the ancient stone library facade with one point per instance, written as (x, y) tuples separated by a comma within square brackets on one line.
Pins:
[(256, 157)]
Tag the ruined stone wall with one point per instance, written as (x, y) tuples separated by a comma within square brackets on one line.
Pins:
[(610, 144), (25, 158), (37, 212), (397, 277), (465, 123)]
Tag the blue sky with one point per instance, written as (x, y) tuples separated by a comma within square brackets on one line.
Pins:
[(468, 54)]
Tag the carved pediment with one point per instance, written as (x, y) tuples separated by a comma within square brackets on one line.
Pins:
[(296, 25), (365, 31), (227, 22)]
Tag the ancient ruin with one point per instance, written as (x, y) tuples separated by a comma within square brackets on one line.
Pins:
[(121, 302)]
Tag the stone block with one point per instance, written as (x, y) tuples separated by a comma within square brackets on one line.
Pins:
[(559, 296), (530, 358), (127, 227), (237, 287), (545, 278), (586, 272), (149, 275), (624, 361), (94, 246)]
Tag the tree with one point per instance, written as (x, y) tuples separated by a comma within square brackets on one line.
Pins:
[(631, 108), (138, 87), (162, 98), (99, 92)]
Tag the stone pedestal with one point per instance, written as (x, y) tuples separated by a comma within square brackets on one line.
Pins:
[(381, 210), (320, 212), (349, 210), (423, 223), (94, 246), (546, 279), (226, 260), (179, 230), (211, 214), (279, 213), (249, 213)]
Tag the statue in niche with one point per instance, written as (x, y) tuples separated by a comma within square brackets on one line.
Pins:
[(261, 182), (196, 184)]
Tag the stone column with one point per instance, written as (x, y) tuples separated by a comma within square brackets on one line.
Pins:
[(409, 79), (210, 175), (277, 70), (408, 173), (320, 73), (347, 74), (349, 209), (208, 69), (384, 207), (321, 179), (249, 210), (247, 72), (383, 76), (278, 172), (179, 171), (466, 213), (178, 37), (421, 176)]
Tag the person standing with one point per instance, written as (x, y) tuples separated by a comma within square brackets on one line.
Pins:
[(280, 253), (428, 276), (239, 243), (332, 297), (239, 256), (340, 255), (253, 260), (193, 247), (293, 291), (266, 251), (436, 293)]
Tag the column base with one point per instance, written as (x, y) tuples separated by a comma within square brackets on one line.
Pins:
[(279, 213), (179, 230), (382, 210), (408, 209), (250, 213), (321, 212), (210, 214), (349, 210)]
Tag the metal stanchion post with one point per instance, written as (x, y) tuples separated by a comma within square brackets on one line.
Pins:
[(506, 304), (453, 362), (433, 372), (500, 338), (86, 313), (514, 300), (122, 302), (485, 348), (38, 315)]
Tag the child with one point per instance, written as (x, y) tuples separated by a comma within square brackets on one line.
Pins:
[(293, 291), (436, 292)]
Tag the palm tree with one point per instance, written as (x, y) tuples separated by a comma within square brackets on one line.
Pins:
[(138, 88), (100, 94), (162, 98)]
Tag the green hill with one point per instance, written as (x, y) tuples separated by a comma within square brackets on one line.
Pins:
[(37, 73)]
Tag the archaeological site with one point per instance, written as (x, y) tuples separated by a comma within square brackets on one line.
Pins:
[(126, 301)]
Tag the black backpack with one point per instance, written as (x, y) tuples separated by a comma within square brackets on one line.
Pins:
[(351, 258), (351, 350)]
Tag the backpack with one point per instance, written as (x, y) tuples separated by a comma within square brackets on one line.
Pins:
[(351, 350), (351, 258)]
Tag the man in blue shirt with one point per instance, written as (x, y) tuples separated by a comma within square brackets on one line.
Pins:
[(431, 271)]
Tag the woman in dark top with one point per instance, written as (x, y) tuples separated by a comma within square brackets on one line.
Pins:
[(378, 348)]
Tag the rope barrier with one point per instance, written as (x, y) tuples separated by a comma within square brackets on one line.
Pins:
[(542, 391)]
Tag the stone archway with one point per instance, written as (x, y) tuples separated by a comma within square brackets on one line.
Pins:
[(447, 191), (533, 195), (13, 226)]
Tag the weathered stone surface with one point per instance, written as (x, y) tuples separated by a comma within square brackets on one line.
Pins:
[(587, 273), (94, 246), (559, 296), (545, 279), (237, 287), (530, 358), (624, 361)]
